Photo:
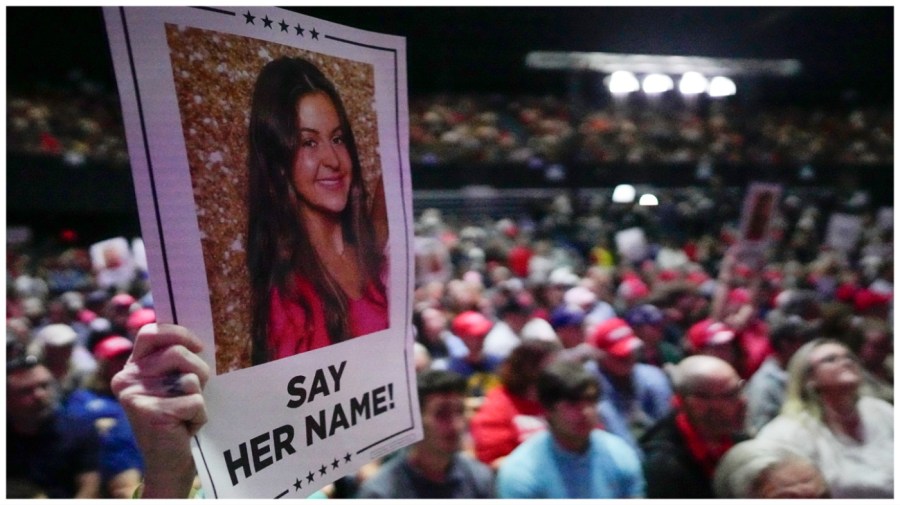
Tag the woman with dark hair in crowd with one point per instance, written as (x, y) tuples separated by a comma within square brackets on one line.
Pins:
[(511, 412), (850, 437), (315, 251)]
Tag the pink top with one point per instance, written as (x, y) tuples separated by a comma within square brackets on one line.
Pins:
[(292, 331)]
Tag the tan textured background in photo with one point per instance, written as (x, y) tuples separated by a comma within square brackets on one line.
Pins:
[(214, 75)]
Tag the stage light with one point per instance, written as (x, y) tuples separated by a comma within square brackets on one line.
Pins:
[(621, 82), (648, 200), (721, 86), (624, 193), (692, 83), (657, 83)]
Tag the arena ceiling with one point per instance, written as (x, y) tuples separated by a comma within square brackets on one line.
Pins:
[(844, 51)]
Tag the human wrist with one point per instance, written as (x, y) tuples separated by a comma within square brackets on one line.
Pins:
[(168, 482)]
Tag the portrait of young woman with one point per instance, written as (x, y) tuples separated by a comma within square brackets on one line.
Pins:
[(285, 163), (315, 237)]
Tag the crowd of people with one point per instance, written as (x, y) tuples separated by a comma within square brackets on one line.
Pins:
[(521, 129), (81, 123), (555, 359)]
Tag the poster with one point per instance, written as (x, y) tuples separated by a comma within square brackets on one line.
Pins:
[(757, 215), (269, 151)]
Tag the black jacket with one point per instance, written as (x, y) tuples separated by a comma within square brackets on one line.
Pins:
[(669, 468)]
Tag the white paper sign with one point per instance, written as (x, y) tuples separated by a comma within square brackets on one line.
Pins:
[(632, 244), (270, 156), (843, 231)]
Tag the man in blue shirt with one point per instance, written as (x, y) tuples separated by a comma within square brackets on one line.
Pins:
[(121, 464), (573, 459), (636, 394)]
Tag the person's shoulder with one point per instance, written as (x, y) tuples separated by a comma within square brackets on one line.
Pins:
[(607, 438), (764, 374), (661, 436), (785, 428), (651, 373), (474, 467), (874, 404), (612, 443), (529, 452), (385, 481), (72, 421)]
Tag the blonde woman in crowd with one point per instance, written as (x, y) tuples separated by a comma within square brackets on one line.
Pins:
[(850, 437)]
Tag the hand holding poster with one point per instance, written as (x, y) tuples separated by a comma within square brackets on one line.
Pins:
[(269, 152)]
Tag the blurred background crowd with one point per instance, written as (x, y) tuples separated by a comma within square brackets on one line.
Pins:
[(508, 282), (81, 123)]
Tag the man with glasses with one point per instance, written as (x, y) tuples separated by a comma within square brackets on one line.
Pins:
[(682, 449)]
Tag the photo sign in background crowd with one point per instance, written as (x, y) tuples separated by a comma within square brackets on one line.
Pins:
[(224, 210)]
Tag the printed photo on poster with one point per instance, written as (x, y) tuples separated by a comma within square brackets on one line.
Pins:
[(287, 180)]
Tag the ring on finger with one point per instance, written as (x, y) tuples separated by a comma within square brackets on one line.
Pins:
[(172, 383)]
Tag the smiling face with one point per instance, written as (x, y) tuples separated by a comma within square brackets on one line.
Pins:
[(322, 169)]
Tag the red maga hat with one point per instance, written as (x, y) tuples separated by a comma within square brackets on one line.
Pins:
[(471, 324), (615, 337), (113, 346), (709, 332)]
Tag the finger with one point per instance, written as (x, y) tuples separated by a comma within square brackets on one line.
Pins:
[(149, 372), (176, 384), (153, 337), (171, 359), (188, 411)]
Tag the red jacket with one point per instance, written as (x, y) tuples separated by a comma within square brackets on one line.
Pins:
[(503, 422)]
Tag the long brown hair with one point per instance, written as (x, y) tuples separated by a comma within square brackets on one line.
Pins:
[(278, 244)]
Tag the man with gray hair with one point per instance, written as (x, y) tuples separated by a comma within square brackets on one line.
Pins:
[(760, 468), (682, 449)]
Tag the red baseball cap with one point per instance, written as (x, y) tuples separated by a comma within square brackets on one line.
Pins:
[(633, 288), (471, 324), (140, 317), (709, 332), (615, 337), (122, 300), (113, 346), (866, 299)]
